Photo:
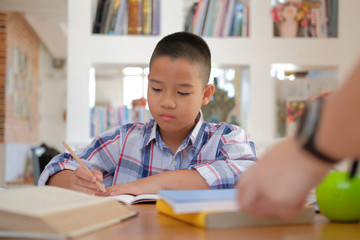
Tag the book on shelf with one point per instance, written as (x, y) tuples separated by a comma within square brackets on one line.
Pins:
[(105, 117), (127, 17), (230, 10), (210, 18), (219, 18), (112, 17), (135, 22), (147, 17), (58, 212), (129, 199), (332, 13), (156, 17), (120, 25), (217, 219), (190, 201), (105, 12), (238, 18), (190, 18), (215, 18), (98, 16)]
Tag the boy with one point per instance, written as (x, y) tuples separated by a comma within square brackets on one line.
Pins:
[(136, 158)]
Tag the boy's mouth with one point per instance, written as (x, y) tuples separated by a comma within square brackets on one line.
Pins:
[(167, 117)]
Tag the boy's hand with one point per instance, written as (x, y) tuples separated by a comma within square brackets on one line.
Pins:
[(84, 182), (145, 185), (178, 179), (78, 180)]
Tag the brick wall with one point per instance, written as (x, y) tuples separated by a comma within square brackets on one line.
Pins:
[(19, 120)]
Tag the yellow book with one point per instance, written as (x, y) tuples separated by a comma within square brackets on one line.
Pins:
[(232, 219)]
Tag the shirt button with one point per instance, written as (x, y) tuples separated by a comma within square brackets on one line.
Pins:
[(173, 163)]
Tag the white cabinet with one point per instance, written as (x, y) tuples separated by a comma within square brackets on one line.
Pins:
[(258, 52)]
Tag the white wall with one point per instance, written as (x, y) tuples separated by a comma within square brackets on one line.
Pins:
[(52, 101), (109, 91), (16, 155)]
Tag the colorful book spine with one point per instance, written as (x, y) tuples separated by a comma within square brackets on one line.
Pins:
[(121, 16), (147, 17), (98, 16), (226, 30), (210, 18), (219, 18), (114, 12), (238, 19), (135, 17), (156, 17)]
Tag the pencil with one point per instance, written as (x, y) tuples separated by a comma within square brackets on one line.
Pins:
[(100, 185)]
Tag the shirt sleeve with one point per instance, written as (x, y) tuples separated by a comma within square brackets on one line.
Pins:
[(233, 155), (101, 154)]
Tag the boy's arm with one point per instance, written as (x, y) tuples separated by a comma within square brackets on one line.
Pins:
[(234, 155), (177, 179), (97, 155)]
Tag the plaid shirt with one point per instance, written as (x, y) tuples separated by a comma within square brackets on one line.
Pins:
[(220, 153)]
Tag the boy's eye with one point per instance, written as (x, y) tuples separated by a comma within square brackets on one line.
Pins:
[(183, 94), (156, 89)]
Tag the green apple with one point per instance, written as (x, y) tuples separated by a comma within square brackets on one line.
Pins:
[(338, 197)]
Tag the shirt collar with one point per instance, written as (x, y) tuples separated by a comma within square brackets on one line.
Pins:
[(152, 131)]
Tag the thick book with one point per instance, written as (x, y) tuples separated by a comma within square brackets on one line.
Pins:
[(231, 219), (135, 17), (129, 199), (57, 211), (191, 201)]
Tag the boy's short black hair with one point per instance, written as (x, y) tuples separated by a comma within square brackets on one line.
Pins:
[(186, 45)]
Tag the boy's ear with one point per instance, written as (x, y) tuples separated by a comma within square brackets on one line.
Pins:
[(208, 93)]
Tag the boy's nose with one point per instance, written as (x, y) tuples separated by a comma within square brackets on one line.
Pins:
[(168, 101)]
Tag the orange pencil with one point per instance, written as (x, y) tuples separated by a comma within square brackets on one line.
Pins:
[(100, 185)]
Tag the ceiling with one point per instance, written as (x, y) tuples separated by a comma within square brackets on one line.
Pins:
[(49, 20)]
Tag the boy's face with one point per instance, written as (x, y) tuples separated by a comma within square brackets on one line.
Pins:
[(176, 94)]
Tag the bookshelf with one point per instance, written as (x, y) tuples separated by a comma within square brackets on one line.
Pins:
[(258, 51)]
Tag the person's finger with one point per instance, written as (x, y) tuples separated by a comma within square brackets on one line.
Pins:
[(97, 174), (86, 184), (83, 174)]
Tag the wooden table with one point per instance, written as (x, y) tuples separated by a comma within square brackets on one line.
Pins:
[(149, 224)]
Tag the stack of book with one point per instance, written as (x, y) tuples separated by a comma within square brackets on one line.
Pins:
[(139, 17), (218, 209), (218, 18)]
